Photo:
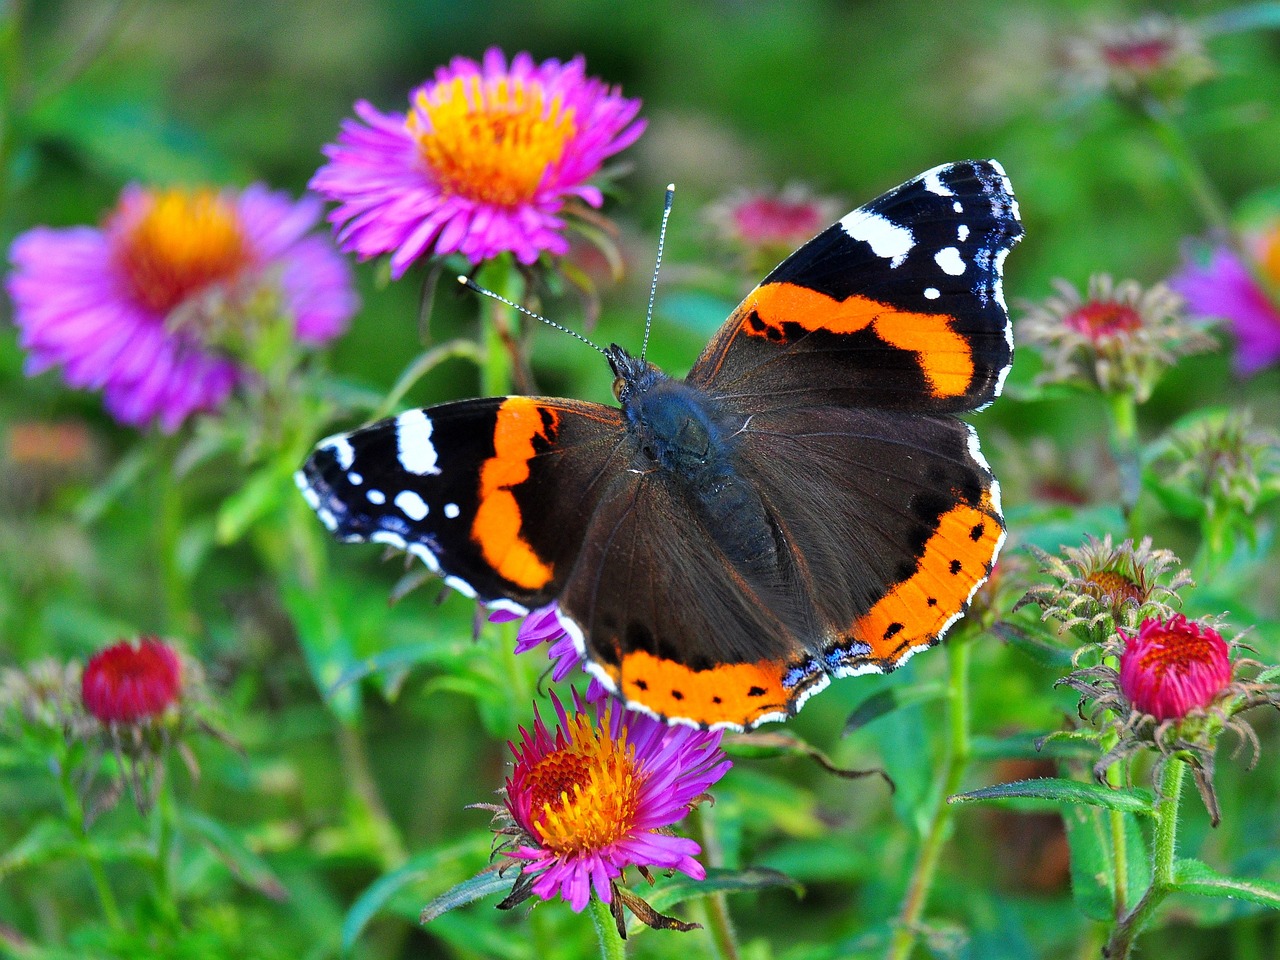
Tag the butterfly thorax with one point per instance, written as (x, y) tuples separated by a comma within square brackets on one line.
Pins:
[(688, 437)]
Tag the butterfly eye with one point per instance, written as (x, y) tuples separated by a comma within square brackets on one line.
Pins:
[(618, 384)]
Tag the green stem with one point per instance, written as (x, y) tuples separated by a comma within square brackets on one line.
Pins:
[(716, 906), (177, 597), (907, 928), (501, 324), (164, 815), (612, 946), (74, 809), (364, 786), (1123, 408), (420, 367), (1164, 848)]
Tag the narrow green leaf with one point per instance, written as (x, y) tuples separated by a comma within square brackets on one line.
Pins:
[(1055, 792), (1092, 865), (419, 869), (259, 495), (680, 888), (1023, 746), (485, 883), (1197, 877), (47, 840), (888, 700), (249, 868)]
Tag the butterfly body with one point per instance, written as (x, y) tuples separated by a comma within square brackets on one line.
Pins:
[(804, 505)]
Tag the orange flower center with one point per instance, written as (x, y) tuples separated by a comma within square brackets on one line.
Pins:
[(490, 140), (1269, 261), (1103, 319), (584, 795), (183, 242), (1176, 651), (1114, 586)]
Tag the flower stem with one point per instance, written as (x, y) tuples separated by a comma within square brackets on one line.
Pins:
[(612, 946), (716, 906), (78, 821), (164, 816), (1164, 847), (907, 928), (501, 323), (1123, 409)]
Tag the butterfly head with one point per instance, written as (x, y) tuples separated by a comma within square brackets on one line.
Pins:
[(631, 375)]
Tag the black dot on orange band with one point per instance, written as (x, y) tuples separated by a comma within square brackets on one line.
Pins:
[(955, 566), (676, 694), (756, 692), (892, 629), (716, 700), (642, 685), (932, 601), (976, 533)]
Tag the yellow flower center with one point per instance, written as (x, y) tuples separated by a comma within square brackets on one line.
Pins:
[(183, 242), (492, 140), (585, 795), (1270, 258)]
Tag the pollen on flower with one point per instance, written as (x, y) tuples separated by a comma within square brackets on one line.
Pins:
[(585, 796), (174, 243), (490, 141)]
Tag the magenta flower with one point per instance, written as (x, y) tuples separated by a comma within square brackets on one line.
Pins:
[(598, 795), (1223, 287), (482, 163), (543, 626), (131, 682), (145, 307), (1173, 666)]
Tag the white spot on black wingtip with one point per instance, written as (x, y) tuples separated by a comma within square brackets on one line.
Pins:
[(354, 478), (411, 505), (326, 517), (958, 207), (932, 293), (376, 497), (949, 261), (414, 447), (308, 492), (340, 445), (962, 233), (508, 606), (464, 588), (426, 556), (933, 182), (887, 239), (451, 510)]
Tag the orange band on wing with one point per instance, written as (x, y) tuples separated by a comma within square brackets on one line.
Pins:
[(956, 558), (496, 528), (737, 693), (944, 355)]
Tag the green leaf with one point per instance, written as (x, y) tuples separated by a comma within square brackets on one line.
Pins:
[(260, 495), (680, 888), (1061, 744), (419, 869), (1197, 877), (47, 840), (249, 868), (890, 699), (485, 883), (1055, 792), (1094, 864)]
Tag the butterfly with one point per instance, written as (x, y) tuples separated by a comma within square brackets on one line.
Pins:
[(805, 504)]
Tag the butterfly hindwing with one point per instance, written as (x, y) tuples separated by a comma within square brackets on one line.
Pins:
[(897, 306)]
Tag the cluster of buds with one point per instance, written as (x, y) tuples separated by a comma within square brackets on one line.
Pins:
[(1150, 678)]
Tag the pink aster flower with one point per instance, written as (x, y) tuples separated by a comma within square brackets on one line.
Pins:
[(131, 682), (482, 163), (765, 226), (1171, 667), (149, 308), (1223, 287), (599, 794)]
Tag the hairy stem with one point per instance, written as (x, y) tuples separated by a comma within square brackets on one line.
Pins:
[(906, 931), (612, 946)]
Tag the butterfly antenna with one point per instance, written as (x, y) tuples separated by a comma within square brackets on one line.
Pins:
[(468, 282), (653, 287)]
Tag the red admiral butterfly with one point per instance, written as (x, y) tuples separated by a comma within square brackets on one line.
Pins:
[(804, 505)]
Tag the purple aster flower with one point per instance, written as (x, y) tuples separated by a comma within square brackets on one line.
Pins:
[(1224, 287), (145, 307), (482, 163), (599, 794), (543, 626)]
